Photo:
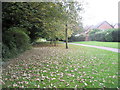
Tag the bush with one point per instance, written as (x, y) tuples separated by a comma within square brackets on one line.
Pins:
[(100, 36), (81, 37), (109, 35), (96, 35), (15, 41), (116, 35), (6, 52)]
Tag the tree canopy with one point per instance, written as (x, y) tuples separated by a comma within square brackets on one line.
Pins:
[(41, 19)]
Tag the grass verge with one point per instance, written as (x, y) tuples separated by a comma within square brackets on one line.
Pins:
[(104, 44)]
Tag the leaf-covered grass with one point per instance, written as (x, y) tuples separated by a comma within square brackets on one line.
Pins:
[(57, 67), (105, 44)]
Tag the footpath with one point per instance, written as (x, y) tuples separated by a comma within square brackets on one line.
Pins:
[(105, 48)]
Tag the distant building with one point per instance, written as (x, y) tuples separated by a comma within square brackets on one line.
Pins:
[(102, 26), (116, 26), (87, 30)]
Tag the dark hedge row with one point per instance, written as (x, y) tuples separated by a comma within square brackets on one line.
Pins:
[(15, 41), (110, 35)]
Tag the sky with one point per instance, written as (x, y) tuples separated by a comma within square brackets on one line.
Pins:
[(97, 11)]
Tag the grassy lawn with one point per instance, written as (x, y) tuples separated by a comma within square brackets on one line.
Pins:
[(105, 44), (57, 67)]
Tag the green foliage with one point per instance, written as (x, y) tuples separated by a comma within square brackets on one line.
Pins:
[(92, 34), (81, 37), (94, 31), (116, 35), (39, 19), (110, 35), (100, 36), (12, 14), (43, 19), (15, 41)]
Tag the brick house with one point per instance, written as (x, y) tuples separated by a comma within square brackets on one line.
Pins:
[(102, 26)]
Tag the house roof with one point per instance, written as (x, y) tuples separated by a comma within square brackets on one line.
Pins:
[(88, 27), (104, 23)]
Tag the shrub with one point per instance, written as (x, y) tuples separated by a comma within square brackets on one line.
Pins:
[(15, 41), (116, 35), (96, 35), (94, 31), (100, 36), (6, 52), (109, 35), (81, 37)]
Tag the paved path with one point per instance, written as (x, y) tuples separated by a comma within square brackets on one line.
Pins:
[(105, 48)]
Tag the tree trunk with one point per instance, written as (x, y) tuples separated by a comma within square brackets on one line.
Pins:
[(66, 37), (55, 43), (51, 42)]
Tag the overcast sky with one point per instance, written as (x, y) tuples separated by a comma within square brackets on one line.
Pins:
[(97, 11)]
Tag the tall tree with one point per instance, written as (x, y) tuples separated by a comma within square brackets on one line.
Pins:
[(72, 10), (43, 19)]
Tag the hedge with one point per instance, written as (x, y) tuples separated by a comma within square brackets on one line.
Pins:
[(81, 37), (15, 41), (110, 35)]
